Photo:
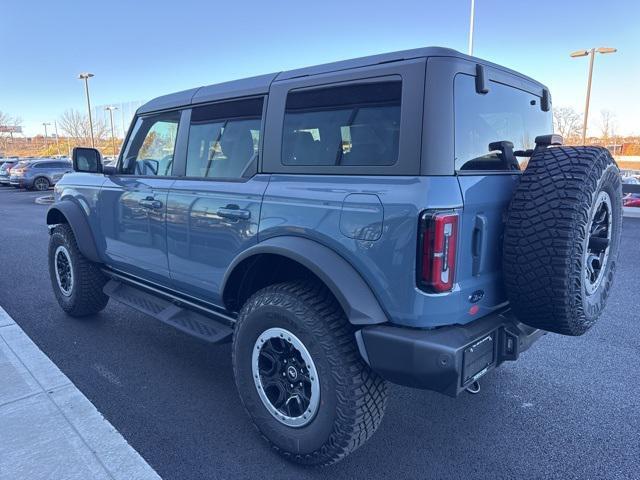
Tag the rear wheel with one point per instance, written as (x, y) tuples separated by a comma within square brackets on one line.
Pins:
[(77, 282), (300, 375), (562, 237), (41, 184)]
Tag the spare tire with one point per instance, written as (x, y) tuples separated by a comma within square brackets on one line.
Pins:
[(562, 237)]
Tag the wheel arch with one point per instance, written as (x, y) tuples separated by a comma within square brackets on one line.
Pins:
[(72, 214), (287, 258)]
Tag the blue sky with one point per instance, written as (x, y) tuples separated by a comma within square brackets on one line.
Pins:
[(141, 49)]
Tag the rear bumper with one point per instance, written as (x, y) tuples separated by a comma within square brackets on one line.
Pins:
[(20, 182), (445, 359)]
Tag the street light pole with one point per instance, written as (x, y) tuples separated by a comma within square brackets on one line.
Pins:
[(55, 125), (471, 27), (46, 141), (86, 77), (113, 136), (591, 53)]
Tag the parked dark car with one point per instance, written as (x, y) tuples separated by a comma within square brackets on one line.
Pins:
[(39, 174), (345, 225), (5, 170)]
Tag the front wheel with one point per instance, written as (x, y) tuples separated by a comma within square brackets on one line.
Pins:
[(77, 282), (300, 375)]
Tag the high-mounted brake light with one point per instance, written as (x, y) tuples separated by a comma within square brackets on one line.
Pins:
[(437, 251)]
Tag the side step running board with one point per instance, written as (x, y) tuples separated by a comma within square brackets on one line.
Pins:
[(188, 321)]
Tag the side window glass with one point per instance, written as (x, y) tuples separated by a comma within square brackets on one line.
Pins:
[(151, 146), (356, 125), (224, 139), (505, 113)]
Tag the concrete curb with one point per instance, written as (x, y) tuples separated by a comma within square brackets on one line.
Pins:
[(48, 428), (45, 200)]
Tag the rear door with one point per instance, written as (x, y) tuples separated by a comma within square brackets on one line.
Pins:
[(213, 209), (509, 111), (133, 202)]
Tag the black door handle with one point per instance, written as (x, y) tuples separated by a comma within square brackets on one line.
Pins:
[(232, 211), (478, 243), (150, 202)]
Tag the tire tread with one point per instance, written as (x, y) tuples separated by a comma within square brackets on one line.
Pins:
[(362, 393), (545, 234), (89, 297)]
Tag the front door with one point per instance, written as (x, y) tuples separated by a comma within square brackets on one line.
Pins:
[(214, 209), (133, 202)]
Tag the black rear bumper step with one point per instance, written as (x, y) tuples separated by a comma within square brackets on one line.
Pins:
[(169, 312), (445, 359)]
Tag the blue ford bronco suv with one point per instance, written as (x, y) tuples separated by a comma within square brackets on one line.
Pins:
[(406, 217)]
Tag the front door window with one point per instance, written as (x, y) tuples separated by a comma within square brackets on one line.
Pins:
[(151, 147)]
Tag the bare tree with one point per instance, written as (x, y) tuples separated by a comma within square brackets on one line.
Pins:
[(607, 124), (7, 120), (4, 118), (76, 125), (567, 122)]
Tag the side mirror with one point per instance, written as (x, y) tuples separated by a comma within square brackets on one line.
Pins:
[(87, 160)]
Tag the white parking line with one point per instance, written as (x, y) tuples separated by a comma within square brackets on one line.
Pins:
[(48, 428)]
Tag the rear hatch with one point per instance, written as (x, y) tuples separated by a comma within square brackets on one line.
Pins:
[(489, 127)]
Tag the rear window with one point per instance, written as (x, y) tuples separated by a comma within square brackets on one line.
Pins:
[(224, 139), (356, 125), (505, 113)]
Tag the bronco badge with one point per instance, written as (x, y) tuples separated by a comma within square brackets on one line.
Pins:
[(476, 296)]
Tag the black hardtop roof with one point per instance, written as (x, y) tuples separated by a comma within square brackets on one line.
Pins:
[(260, 85)]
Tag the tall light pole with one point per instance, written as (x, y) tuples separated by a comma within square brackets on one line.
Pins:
[(471, 27), (111, 108), (55, 124), (591, 53), (86, 77), (124, 130), (45, 125)]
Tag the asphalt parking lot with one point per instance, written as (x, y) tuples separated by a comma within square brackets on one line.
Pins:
[(568, 409)]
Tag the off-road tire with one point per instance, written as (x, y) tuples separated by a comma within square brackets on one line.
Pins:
[(547, 234), (86, 296), (352, 397)]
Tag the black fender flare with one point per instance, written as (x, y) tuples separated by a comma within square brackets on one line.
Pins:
[(348, 287), (67, 211)]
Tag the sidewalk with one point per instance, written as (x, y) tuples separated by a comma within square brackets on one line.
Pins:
[(48, 428)]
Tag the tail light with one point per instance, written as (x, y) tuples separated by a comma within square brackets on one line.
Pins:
[(437, 251)]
